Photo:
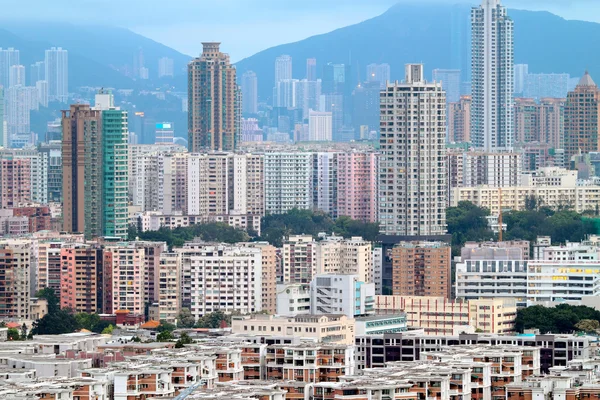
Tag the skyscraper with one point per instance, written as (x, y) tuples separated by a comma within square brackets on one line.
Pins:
[(115, 183), (16, 75), (492, 77), (319, 126), (57, 74), (450, 80), (82, 170), (165, 67), (3, 133), (582, 111), (214, 101), (37, 72), (8, 58), (283, 68), (378, 73), (459, 120), (311, 69), (249, 93), (521, 72), (412, 172)]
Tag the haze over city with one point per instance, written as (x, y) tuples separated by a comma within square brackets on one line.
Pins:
[(299, 200), (247, 26)]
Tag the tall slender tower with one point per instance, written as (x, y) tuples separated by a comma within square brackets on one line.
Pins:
[(214, 101), (283, 68), (412, 170), (582, 118), (115, 167), (492, 77), (250, 92), (82, 170), (57, 74)]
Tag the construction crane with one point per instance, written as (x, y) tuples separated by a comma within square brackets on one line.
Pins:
[(185, 393)]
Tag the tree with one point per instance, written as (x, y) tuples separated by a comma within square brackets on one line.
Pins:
[(164, 336), (563, 318), (467, 222), (59, 322), (51, 298), (165, 326), (214, 320), (91, 322), (13, 334), (183, 340), (136, 339), (588, 325), (185, 319), (23, 332), (108, 330)]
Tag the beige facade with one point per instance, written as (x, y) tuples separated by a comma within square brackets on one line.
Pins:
[(336, 255), (269, 275), (421, 269), (214, 101), (440, 316), (322, 328), (167, 283), (582, 112), (580, 199), (299, 259), (459, 120)]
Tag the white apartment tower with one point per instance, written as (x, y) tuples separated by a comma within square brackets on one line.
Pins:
[(492, 62), (283, 68), (412, 171), (57, 74), (320, 126)]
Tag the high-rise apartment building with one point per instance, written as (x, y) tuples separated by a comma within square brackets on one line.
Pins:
[(165, 67), (412, 169), (57, 74), (299, 261), (526, 121), (538, 86), (283, 68), (319, 126), (450, 80), (521, 72), (311, 69), (214, 101), (3, 132), (582, 111), (115, 167), (37, 72), (123, 278), (552, 122), (8, 58), (167, 281), (288, 182), (19, 102), (379, 73), (459, 120), (82, 170), (365, 102), (16, 75), (15, 181), (221, 277), (357, 185), (249, 93), (492, 77), (421, 269), (15, 269), (81, 267)]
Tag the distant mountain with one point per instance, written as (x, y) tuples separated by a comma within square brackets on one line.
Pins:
[(438, 36), (98, 55)]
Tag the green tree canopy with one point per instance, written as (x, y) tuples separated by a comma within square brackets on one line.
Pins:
[(51, 298), (563, 318), (164, 336), (214, 320), (185, 319), (59, 322), (13, 334), (183, 340), (467, 222), (212, 232), (276, 227)]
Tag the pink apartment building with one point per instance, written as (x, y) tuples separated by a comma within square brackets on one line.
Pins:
[(15, 182), (357, 185)]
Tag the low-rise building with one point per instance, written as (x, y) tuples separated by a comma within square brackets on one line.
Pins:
[(321, 328)]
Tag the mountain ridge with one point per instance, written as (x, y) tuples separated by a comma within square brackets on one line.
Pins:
[(438, 36)]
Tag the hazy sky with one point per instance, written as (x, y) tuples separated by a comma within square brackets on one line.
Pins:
[(244, 26)]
